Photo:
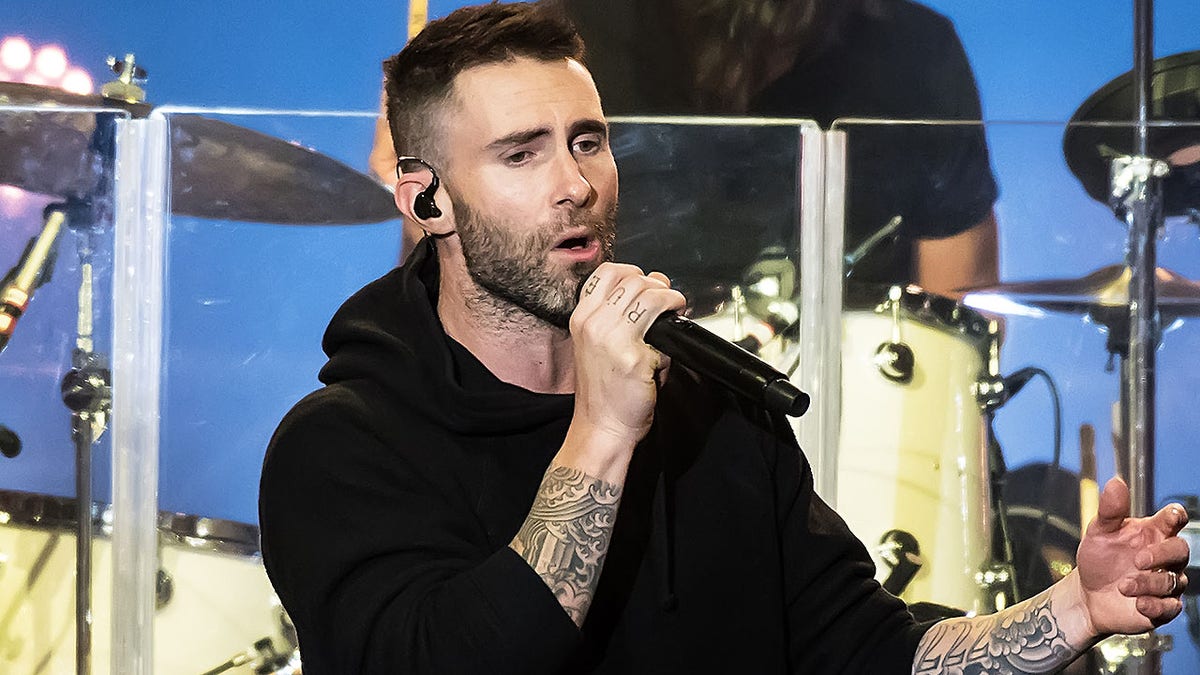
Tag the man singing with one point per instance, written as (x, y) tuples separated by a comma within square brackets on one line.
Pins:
[(499, 477)]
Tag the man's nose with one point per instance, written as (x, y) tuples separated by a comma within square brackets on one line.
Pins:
[(573, 186)]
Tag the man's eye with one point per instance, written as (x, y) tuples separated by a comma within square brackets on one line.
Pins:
[(587, 145), (518, 157)]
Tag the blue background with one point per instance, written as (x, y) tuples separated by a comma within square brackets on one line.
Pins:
[(249, 301)]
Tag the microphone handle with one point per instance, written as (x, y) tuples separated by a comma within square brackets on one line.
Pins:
[(737, 369)]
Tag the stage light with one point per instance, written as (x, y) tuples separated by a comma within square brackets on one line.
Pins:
[(33, 77), (12, 201), (77, 81), (51, 62), (15, 53)]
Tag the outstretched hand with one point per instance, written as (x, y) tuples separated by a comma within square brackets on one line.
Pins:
[(1131, 569)]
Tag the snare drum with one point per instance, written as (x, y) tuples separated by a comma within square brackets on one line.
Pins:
[(913, 455), (214, 600)]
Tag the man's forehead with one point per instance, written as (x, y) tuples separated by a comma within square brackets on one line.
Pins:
[(497, 96)]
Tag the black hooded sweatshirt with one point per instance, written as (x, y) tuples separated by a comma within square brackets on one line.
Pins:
[(388, 499)]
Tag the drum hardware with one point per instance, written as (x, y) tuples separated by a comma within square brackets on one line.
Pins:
[(1131, 654), (220, 595), (917, 448), (10, 442), (31, 272), (262, 656), (851, 259), (895, 360), (901, 552), (997, 581), (129, 76), (87, 393), (164, 588), (218, 170)]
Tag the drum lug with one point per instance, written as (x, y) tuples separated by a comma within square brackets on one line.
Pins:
[(164, 588), (894, 359), (901, 552)]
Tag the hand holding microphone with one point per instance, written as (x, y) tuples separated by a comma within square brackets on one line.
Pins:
[(721, 361)]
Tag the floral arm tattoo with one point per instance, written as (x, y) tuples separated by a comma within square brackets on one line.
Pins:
[(567, 533), (1025, 638)]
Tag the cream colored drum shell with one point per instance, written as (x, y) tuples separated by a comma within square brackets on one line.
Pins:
[(220, 604), (913, 456)]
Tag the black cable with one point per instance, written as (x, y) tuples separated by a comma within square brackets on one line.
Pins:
[(1055, 465)]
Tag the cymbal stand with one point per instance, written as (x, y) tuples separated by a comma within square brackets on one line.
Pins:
[(87, 393), (1136, 198), (998, 578)]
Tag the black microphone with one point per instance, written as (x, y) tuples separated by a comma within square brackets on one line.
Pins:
[(737, 369), (18, 285)]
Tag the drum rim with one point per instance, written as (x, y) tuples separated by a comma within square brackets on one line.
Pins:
[(52, 512), (922, 306)]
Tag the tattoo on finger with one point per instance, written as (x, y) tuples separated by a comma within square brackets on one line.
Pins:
[(591, 285), (616, 295), (636, 313)]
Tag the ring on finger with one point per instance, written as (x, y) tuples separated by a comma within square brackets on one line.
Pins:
[(1174, 582)]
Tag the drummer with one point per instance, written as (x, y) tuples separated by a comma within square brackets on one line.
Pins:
[(928, 191), (501, 478)]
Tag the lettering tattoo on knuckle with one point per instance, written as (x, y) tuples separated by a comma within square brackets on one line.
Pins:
[(636, 313), (616, 295), (591, 285)]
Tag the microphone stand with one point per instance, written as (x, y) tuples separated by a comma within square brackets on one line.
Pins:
[(87, 393)]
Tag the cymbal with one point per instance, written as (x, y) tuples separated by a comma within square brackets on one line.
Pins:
[(1174, 96), (218, 170), (1100, 292)]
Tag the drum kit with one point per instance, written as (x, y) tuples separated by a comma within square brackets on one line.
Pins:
[(963, 524), (951, 528), (62, 145)]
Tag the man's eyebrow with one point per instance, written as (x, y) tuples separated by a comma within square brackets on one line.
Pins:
[(518, 138), (589, 126)]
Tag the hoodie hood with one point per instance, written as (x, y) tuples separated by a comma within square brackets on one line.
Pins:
[(388, 334)]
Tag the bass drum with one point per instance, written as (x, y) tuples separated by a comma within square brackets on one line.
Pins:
[(912, 467), (214, 602)]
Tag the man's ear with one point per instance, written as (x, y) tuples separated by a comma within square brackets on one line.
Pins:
[(409, 190)]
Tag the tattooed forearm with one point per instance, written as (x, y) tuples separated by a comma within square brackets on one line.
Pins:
[(1025, 638), (567, 533)]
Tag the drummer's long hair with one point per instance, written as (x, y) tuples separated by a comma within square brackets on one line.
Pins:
[(420, 79), (715, 54)]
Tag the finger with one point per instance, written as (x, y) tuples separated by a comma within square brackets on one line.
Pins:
[(1159, 610), (659, 276), (1170, 519), (601, 284), (1167, 554), (1156, 583), (648, 303), (1114, 506)]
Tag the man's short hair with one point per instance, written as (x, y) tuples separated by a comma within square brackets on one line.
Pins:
[(420, 78)]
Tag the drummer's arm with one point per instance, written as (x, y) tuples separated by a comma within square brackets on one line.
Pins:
[(964, 260), (382, 159)]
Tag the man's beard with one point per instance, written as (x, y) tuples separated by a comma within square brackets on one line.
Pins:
[(514, 267)]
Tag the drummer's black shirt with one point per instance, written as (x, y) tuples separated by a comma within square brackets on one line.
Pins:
[(899, 61), (389, 497)]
